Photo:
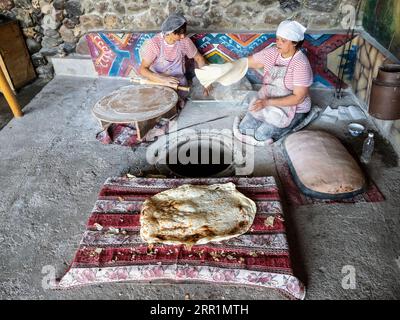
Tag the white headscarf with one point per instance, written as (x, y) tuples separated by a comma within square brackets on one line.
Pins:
[(291, 30)]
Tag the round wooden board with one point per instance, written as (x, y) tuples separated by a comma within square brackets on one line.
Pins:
[(135, 103)]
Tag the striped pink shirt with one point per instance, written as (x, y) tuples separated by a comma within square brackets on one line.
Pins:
[(152, 48), (299, 72)]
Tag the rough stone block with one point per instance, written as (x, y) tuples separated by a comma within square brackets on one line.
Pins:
[(59, 4), (82, 47), (73, 8), (24, 4), (6, 5), (33, 46), (111, 21), (321, 5), (286, 5), (23, 16), (67, 34), (91, 21), (49, 22)]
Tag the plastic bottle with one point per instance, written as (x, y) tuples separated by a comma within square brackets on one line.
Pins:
[(368, 148)]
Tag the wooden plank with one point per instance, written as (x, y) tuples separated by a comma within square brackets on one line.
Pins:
[(169, 114), (10, 96), (15, 54), (6, 74), (142, 127)]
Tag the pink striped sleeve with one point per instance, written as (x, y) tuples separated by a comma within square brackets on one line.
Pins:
[(302, 73), (150, 50), (264, 56), (189, 48)]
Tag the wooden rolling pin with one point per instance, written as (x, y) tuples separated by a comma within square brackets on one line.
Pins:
[(145, 81)]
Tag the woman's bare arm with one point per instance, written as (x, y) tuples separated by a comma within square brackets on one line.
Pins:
[(200, 60), (253, 64)]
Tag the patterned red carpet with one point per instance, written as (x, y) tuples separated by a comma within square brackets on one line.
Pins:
[(111, 249), (126, 134)]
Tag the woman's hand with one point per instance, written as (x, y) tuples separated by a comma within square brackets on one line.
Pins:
[(169, 81), (258, 105), (164, 79), (207, 90)]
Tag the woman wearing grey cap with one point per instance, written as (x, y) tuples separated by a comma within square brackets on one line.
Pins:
[(163, 56), (283, 101)]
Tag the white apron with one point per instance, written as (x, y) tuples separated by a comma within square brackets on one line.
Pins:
[(274, 87)]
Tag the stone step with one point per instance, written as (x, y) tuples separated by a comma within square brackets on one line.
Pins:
[(74, 65)]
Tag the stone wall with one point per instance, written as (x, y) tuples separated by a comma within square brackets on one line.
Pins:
[(215, 15), (55, 27)]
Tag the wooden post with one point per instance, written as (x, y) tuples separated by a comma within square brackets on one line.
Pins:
[(5, 71), (9, 95)]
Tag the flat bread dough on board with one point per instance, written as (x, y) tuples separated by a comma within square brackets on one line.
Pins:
[(196, 214), (135, 103)]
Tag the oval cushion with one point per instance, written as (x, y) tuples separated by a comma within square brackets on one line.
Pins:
[(321, 165)]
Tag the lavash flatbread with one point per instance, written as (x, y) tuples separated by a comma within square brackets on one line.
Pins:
[(196, 214)]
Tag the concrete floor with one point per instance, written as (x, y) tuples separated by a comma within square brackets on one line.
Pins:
[(52, 168), (24, 96)]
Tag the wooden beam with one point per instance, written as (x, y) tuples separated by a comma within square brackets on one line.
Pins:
[(6, 74), (9, 95)]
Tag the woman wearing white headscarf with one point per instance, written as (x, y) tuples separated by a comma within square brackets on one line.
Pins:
[(163, 56), (283, 101)]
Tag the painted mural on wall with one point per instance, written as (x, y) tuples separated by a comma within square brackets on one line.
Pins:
[(367, 67), (118, 54), (381, 19)]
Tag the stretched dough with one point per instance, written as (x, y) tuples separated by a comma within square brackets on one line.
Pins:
[(226, 74)]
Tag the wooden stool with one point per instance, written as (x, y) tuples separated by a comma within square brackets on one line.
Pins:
[(142, 105)]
